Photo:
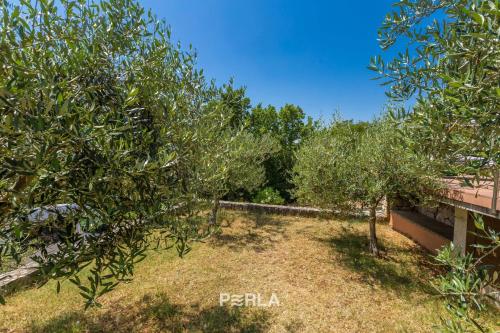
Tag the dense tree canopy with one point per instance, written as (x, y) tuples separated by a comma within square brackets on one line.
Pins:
[(346, 170), (452, 69), (235, 99), (100, 111), (289, 126), (102, 114), (231, 158)]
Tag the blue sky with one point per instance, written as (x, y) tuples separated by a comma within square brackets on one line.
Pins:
[(310, 53)]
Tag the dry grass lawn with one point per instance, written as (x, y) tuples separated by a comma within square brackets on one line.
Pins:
[(319, 269)]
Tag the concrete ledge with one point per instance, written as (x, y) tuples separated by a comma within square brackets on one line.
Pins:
[(24, 274), (19, 278), (412, 225)]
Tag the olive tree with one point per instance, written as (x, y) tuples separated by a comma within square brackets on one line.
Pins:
[(231, 158), (452, 70), (346, 170), (97, 109)]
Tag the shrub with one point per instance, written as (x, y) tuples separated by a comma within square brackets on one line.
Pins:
[(269, 195), (98, 109)]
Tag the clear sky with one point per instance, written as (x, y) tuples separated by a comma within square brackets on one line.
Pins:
[(310, 53)]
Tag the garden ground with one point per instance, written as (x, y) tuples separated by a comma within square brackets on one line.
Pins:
[(319, 269)]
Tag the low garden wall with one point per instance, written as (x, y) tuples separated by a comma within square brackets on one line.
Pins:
[(275, 209), (417, 227)]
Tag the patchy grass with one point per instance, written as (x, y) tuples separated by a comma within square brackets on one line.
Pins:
[(320, 270)]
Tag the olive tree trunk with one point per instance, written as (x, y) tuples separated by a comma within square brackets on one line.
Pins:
[(373, 232), (213, 214)]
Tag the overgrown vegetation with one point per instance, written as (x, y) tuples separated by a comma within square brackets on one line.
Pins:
[(345, 170), (288, 127), (100, 111), (452, 67), (102, 114), (270, 196), (473, 277)]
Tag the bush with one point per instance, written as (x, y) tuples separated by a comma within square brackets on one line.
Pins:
[(98, 109), (270, 196)]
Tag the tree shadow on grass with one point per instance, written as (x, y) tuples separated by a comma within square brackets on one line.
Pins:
[(255, 230), (155, 313), (403, 269), (255, 218)]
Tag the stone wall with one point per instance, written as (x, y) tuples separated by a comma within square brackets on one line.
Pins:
[(441, 212), (276, 209)]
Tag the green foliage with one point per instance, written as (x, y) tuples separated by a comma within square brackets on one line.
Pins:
[(340, 169), (467, 279), (264, 120), (230, 158), (248, 153), (99, 109), (289, 127), (319, 173), (452, 67), (268, 195), (235, 99), (234, 162)]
